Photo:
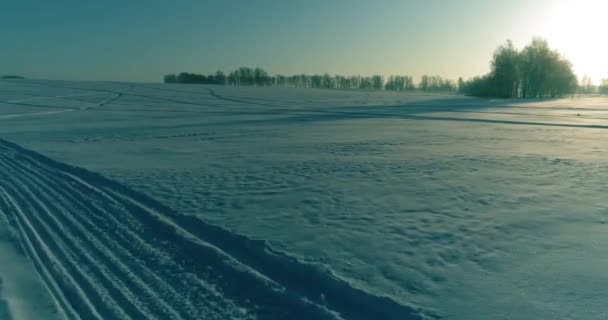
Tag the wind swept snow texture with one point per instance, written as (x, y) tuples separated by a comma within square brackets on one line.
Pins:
[(419, 205)]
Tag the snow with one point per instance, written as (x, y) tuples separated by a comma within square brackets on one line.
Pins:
[(22, 295), (464, 208)]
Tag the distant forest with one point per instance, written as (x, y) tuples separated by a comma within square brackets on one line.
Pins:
[(587, 87), (536, 71), (245, 76), (8, 77), (603, 87)]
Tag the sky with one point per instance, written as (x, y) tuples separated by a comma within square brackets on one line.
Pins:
[(141, 40)]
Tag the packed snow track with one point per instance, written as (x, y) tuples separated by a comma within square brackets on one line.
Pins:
[(105, 251)]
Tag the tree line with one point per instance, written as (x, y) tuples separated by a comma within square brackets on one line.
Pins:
[(587, 87), (12, 77), (536, 71), (245, 76), (603, 87)]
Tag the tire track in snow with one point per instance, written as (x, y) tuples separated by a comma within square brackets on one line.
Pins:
[(59, 282), (13, 116), (47, 98), (115, 242), (5, 312), (116, 96), (96, 298), (114, 275), (241, 101), (100, 104), (95, 284), (211, 92), (105, 251)]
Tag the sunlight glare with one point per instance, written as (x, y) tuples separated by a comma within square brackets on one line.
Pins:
[(577, 29)]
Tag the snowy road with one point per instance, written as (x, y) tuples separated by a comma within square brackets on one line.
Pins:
[(106, 252)]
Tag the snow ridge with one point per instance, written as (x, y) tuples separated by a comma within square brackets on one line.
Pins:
[(107, 252)]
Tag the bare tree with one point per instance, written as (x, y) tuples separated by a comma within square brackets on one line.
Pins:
[(534, 72)]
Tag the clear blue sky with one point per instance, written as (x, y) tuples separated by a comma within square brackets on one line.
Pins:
[(142, 40)]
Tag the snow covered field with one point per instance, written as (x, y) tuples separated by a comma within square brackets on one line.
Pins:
[(388, 205)]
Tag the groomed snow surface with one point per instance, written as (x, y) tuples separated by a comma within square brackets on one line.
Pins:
[(153, 201)]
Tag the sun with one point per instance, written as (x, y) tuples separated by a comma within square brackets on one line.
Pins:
[(577, 28)]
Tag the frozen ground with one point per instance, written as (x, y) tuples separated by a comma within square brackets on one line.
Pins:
[(403, 204)]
